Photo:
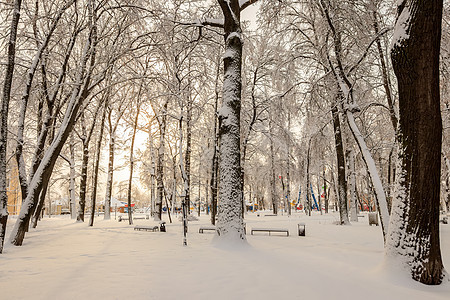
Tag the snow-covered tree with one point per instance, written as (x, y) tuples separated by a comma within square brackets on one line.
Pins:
[(413, 239)]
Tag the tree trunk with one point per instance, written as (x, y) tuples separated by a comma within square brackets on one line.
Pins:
[(4, 119), (110, 178), (24, 104), (97, 164), (308, 179), (187, 157), (152, 178), (230, 223), (341, 180), (385, 75), (346, 90), (446, 199), (325, 198), (215, 158), (38, 210), (273, 195), (214, 173), (288, 171), (160, 164), (43, 172), (73, 205), (83, 182), (380, 196), (414, 229), (352, 185), (130, 179)]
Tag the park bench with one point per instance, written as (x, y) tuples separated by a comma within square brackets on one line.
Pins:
[(213, 228), (123, 218), (146, 228), (269, 230), (203, 228)]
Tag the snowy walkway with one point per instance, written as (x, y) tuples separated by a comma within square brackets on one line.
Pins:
[(66, 260)]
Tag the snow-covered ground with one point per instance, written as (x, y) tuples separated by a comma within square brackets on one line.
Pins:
[(62, 259)]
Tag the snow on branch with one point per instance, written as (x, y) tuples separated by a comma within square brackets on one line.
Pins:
[(219, 23), (243, 4)]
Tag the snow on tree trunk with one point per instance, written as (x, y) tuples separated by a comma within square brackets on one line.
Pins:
[(4, 119), (24, 104), (43, 172), (160, 164), (73, 205), (413, 238), (380, 196), (230, 224), (352, 186)]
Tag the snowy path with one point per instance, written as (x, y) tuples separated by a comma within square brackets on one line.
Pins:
[(66, 260)]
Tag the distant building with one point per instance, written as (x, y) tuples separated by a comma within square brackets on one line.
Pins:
[(13, 190)]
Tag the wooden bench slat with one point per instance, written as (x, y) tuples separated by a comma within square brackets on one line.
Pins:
[(146, 228), (269, 230), (201, 229)]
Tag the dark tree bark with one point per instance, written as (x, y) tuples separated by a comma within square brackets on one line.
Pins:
[(350, 106), (97, 163), (37, 212), (43, 172), (109, 181), (4, 119), (341, 180), (85, 141), (162, 122), (112, 146), (24, 103), (273, 193), (414, 229), (187, 157), (214, 174), (215, 158), (308, 206), (253, 119), (73, 205), (325, 193), (133, 137)]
